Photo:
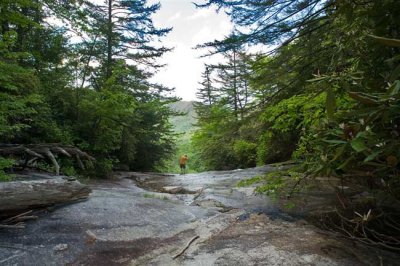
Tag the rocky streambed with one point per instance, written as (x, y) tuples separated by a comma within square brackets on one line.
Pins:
[(194, 219)]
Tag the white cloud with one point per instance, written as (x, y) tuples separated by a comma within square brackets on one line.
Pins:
[(191, 26), (225, 26), (201, 14), (203, 35), (211, 32), (175, 16), (182, 71)]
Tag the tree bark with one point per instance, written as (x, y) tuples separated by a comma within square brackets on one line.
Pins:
[(22, 195)]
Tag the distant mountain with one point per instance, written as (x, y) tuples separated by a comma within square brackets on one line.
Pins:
[(184, 124)]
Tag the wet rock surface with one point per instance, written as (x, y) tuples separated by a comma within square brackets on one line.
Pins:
[(129, 221)]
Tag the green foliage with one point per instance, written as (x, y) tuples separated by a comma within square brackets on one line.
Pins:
[(102, 168), (18, 100), (273, 186), (245, 152), (208, 138), (69, 171), (88, 92), (225, 139), (365, 139), (4, 164), (327, 96), (250, 181)]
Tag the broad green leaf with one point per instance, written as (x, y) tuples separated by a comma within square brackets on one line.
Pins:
[(362, 134), (372, 156), (358, 145), (338, 153), (393, 89), (395, 74), (319, 169), (334, 141), (361, 98), (343, 165), (375, 164), (317, 79), (330, 103), (387, 41)]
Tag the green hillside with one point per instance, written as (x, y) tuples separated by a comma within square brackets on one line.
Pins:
[(184, 125)]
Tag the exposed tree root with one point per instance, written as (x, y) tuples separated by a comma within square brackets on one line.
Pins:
[(45, 151), (371, 228)]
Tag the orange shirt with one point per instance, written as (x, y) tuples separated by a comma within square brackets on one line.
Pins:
[(183, 159)]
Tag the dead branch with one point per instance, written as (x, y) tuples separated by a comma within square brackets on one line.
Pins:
[(186, 247), (371, 228), (340, 200), (7, 226), (290, 194), (6, 221), (198, 194)]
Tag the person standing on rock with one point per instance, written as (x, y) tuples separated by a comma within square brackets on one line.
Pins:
[(182, 163)]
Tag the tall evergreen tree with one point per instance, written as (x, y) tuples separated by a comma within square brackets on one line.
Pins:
[(206, 93), (232, 78), (222, 112), (120, 61), (124, 30)]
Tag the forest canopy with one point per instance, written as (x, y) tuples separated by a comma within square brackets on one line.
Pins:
[(324, 91)]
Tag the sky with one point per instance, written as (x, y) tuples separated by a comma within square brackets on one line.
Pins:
[(191, 26)]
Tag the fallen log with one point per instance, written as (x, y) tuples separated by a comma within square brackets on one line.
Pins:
[(23, 195)]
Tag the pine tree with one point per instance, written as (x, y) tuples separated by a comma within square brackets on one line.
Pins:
[(276, 22), (206, 93), (232, 78), (124, 30), (119, 58)]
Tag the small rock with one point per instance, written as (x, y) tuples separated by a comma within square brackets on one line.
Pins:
[(60, 247), (90, 237), (69, 178), (172, 189)]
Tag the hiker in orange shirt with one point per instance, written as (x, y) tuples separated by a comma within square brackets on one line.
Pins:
[(182, 163)]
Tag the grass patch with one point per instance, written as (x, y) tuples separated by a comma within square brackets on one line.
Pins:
[(250, 181), (155, 196)]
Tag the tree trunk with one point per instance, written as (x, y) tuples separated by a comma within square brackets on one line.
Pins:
[(109, 39), (22, 195)]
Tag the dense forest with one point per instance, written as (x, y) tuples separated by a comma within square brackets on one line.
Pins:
[(325, 93), (74, 72)]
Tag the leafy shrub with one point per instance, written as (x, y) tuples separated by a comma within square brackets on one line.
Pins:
[(366, 141), (4, 164), (102, 168), (245, 152)]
